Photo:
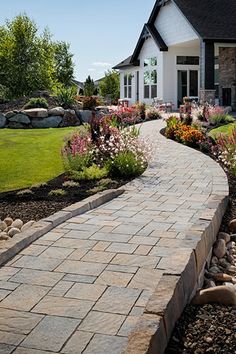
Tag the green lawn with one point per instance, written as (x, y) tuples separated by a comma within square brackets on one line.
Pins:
[(30, 156), (225, 129)]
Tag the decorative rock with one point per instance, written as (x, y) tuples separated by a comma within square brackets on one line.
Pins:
[(221, 277), (3, 225), (2, 120), (209, 283), (14, 231), (214, 260), (27, 225), (17, 224), (220, 294), (16, 125), (8, 221), (230, 259), (232, 225), (231, 270), (224, 236), (219, 249), (20, 118), (230, 245), (4, 236), (36, 112), (85, 116), (224, 263), (233, 237), (50, 122), (10, 114), (7, 229), (214, 270), (57, 111), (70, 118)]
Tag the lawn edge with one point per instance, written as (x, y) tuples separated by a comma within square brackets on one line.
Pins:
[(10, 248)]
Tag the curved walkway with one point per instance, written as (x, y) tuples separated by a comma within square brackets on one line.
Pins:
[(82, 287)]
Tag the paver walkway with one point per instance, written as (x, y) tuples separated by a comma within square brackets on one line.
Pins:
[(82, 287)]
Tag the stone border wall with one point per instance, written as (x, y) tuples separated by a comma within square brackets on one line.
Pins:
[(44, 118)]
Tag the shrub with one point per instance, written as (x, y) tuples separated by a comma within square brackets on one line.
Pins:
[(90, 173), (36, 102), (25, 193), (89, 102), (57, 193), (70, 184), (220, 119), (126, 165), (152, 113), (173, 124), (66, 96), (225, 150)]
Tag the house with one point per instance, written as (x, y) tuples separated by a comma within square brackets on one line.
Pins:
[(187, 48), (80, 86)]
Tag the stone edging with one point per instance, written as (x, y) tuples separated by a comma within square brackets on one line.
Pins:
[(10, 248), (176, 289)]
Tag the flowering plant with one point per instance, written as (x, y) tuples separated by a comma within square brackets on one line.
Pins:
[(225, 150)]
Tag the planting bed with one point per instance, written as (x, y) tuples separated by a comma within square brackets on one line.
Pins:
[(40, 205)]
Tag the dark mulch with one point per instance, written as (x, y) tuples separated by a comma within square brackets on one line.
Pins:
[(40, 205)]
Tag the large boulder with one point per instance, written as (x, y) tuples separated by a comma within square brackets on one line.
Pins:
[(70, 118), (10, 114), (16, 125), (50, 122), (20, 118), (2, 120), (56, 111), (36, 112), (85, 116)]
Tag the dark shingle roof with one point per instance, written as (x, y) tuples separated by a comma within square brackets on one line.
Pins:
[(212, 19), (124, 63)]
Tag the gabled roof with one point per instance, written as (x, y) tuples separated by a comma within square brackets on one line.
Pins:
[(211, 19), (124, 63)]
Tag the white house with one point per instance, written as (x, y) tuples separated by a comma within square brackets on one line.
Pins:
[(187, 48)]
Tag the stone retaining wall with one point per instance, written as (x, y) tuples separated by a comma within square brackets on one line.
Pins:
[(44, 118)]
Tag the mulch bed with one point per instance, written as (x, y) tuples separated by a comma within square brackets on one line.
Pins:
[(40, 205)]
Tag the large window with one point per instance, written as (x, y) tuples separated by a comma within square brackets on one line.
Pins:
[(185, 60), (128, 86), (150, 78)]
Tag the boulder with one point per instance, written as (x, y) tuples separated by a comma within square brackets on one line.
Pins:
[(220, 294), (27, 225), (232, 225), (18, 223), (85, 116), (10, 114), (14, 231), (56, 111), (36, 112), (8, 221), (70, 119), (50, 122), (219, 249), (16, 125), (224, 236), (20, 118), (2, 120)]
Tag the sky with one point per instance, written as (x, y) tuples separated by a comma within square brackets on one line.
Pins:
[(101, 33)]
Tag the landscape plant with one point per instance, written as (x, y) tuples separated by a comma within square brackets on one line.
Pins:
[(36, 102), (225, 150)]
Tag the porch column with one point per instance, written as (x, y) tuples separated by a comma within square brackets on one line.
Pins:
[(207, 72)]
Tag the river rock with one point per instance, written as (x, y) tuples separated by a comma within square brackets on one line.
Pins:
[(70, 118), (3, 120), (230, 258), (3, 225), (56, 111), (50, 122), (8, 221), (233, 237), (14, 231), (219, 249), (20, 118), (209, 283), (18, 223), (231, 270), (224, 236), (220, 294), (232, 225), (222, 277), (27, 225), (214, 260), (214, 270), (36, 112), (4, 236)]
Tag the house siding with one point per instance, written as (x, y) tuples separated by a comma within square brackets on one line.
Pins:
[(172, 25)]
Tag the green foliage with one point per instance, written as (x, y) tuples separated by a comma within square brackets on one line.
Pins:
[(70, 184), (30, 61), (110, 85), (126, 165), (89, 173), (25, 193), (76, 162), (4, 93), (89, 87), (220, 119), (65, 96), (37, 102), (63, 64), (57, 193), (90, 102)]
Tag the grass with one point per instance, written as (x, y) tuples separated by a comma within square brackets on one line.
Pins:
[(224, 129), (30, 156)]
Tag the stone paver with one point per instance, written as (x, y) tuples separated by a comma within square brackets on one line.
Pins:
[(82, 287)]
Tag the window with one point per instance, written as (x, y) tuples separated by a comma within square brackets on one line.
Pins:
[(150, 78), (217, 76), (183, 60), (128, 86)]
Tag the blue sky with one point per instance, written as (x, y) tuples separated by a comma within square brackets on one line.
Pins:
[(101, 33)]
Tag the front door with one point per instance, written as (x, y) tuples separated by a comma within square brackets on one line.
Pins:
[(187, 84)]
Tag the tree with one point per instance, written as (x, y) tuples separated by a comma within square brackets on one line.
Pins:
[(29, 61), (89, 87), (110, 85), (64, 66)]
